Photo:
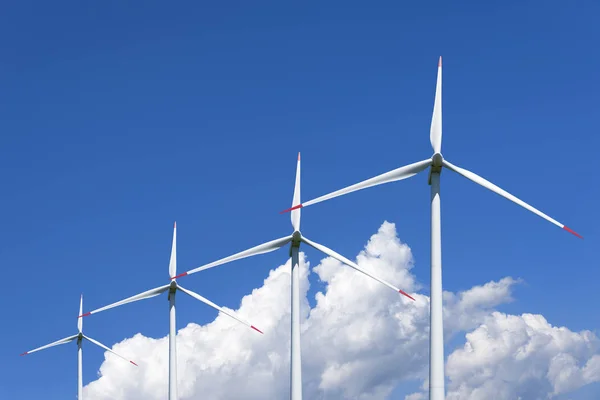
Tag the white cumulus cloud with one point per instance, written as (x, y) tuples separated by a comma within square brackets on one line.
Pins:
[(522, 356), (360, 341)]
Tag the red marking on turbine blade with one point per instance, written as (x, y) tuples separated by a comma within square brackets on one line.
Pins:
[(179, 276), (134, 363), (85, 315), (298, 156), (440, 62), (406, 294), (291, 209), (24, 354), (256, 329), (566, 228), (175, 224)]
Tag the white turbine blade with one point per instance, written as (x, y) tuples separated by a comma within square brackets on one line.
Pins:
[(296, 200), (260, 249), (489, 185), (58, 342), (79, 321), (349, 263), (395, 175), (435, 134), (145, 295), (216, 307), (97, 343), (173, 261)]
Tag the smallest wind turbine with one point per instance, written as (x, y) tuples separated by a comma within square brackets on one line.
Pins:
[(79, 337), (172, 288)]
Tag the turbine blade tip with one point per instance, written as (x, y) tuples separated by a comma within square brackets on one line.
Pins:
[(134, 363), (256, 329), (291, 209), (179, 276), (298, 156), (566, 228), (175, 224), (406, 294), (24, 354), (440, 62), (85, 315)]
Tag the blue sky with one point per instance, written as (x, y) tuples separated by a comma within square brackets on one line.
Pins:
[(118, 119)]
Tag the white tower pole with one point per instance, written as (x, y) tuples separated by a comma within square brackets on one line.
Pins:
[(79, 370), (172, 319), (79, 352), (172, 347), (296, 362), (436, 333)]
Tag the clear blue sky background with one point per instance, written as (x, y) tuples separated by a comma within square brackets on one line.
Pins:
[(117, 119)]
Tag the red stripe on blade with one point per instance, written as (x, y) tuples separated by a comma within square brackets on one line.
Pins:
[(179, 276), (406, 294), (291, 209), (85, 315), (256, 329), (566, 228), (24, 354), (134, 363)]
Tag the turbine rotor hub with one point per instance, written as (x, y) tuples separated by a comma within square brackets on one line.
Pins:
[(436, 165), (437, 160), (296, 238)]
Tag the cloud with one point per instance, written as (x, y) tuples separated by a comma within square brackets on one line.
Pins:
[(359, 341), (522, 356), (466, 310)]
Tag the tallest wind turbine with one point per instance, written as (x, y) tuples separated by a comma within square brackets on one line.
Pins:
[(435, 164)]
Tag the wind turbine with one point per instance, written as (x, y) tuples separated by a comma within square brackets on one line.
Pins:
[(79, 337), (295, 238), (172, 287), (435, 164)]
